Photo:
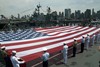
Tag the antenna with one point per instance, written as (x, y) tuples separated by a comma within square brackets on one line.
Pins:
[(38, 8), (48, 10)]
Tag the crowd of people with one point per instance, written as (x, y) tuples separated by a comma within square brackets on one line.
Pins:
[(14, 61)]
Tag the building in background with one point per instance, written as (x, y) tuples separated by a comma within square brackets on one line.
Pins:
[(77, 14), (68, 13), (88, 14)]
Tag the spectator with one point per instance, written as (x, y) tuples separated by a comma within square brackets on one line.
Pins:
[(74, 47), (15, 60), (45, 57), (82, 44), (65, 51)]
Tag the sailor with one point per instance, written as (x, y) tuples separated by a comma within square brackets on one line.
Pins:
[(74, 47), (2, 61), (45, 57), (82, 44), (65, 52), (4, 51), (98, 37), (93, 39), (87, 41), (15, 60), (5, 56)]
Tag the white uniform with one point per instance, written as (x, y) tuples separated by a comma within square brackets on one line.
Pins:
[(45, 56), (65, 51), (93, 39), (87, 42), (98, 37), (15, 61)]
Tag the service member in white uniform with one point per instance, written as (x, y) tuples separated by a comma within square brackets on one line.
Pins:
[(15, 60), (65, 51), (82, 44), (87, 41), (93, 39), (45, 57)]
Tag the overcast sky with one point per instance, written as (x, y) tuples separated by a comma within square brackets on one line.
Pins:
[(13, 7)]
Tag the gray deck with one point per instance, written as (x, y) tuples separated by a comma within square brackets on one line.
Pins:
[(88, 58)]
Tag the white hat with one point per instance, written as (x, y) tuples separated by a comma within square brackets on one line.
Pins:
[(44, 49), (74, 38), (82, 35), (3, 47), (65, 46), (14, 51)]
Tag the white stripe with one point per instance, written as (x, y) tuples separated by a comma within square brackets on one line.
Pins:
[(55, 28), (53, 33), (38, 43), (59, 30), (7, 42), (32, 51)]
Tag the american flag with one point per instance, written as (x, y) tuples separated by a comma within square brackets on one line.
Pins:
[(31, 49)]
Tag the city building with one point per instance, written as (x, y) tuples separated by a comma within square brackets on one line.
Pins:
[(67, 13), (77, 14), (88, 14)]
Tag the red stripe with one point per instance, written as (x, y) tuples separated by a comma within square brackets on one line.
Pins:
[(27, 42), (62, 29), (47, 44)]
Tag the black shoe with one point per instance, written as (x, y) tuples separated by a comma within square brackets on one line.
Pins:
[(73, 56)]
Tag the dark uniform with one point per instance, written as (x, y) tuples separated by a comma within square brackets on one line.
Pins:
[(2, 61), (6, 58), (74, 48), (82, 44)]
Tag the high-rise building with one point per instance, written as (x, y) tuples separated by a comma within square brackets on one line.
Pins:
[(68, 13), (60, 14), (88, 14), (98, 14), (82, 16), (54, 15), (18, 16), (93, 12), (72, 16), (77, 14)]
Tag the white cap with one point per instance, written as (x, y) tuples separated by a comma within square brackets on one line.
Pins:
[(14, 51), (3, 47), (44, 49), (82, 35), (74, 38), (65, 46)]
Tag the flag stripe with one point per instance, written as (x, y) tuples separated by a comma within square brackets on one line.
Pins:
[(69, 42), (59, 35), (10, 43), (54, 39)]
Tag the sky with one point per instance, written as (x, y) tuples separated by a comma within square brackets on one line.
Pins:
[(26, 7)]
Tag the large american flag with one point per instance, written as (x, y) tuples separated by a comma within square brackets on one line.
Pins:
[(31, 49)]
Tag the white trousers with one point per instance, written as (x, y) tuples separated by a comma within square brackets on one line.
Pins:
[(65, 59), (87, 45)]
